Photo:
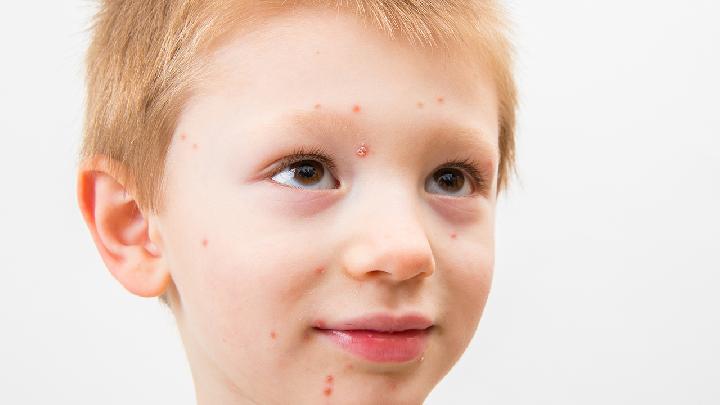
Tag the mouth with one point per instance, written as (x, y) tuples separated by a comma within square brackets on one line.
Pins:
[(380, 338)]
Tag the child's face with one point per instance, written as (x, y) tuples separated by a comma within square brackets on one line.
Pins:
[(273, 265)]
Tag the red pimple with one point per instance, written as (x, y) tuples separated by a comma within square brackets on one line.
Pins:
[(204, 242), (320, 270), (329, 379), (356, 108), (321, 324), (441, 100), (273, 335), (327, 391), (362, 151)]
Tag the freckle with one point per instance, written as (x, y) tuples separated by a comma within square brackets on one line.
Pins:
[(204, 242), (453, 235), (420, 104), (356, 108), (317, 106), (320, 270), (362, 151), (327, 391), (317, 52), (441, 100)]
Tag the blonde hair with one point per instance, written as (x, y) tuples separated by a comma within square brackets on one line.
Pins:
[(145, 57)]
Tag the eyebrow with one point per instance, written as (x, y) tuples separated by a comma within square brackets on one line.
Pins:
[(437, 133)]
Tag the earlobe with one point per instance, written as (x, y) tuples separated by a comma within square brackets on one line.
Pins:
[(120, 230)]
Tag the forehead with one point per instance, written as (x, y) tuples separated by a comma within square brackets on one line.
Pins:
[(291, 62)]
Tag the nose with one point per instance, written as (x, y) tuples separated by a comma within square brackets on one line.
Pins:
[(389, 243)]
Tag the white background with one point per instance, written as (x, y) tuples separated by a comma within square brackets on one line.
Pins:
[(607, 285)]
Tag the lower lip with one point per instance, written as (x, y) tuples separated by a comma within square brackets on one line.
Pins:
[(382, 347)]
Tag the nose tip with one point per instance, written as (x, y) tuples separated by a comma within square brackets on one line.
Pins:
[(390, 263)]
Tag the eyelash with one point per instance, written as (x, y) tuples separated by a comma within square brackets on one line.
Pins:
[(469, 166)]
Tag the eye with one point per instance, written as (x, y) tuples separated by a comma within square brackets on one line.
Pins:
[(306, 170), (463, 180)]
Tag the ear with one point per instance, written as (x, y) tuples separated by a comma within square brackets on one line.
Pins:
[(120, 230)]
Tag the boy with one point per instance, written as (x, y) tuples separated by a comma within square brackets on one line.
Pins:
[(310, 186)]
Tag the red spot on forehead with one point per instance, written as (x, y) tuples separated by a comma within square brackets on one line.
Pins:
[(205, 242), (362, 150), (273, 335), (356, 108), (327, 391)]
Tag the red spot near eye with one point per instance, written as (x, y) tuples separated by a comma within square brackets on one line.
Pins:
[(441, 100), (320, 270), (183, 137), (317, 106), (327, 391), (329, 379), (204, 242), (453, 235), (273, 335), (393, 386), (420, 104), (362, 151), (356, 108)]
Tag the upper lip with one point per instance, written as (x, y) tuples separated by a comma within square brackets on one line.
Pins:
[(381, 322)]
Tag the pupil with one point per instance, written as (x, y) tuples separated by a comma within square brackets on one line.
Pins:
[(306, 172), (450, 180)]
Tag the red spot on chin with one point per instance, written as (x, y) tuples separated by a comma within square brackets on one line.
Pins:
[(329, 379), (320, 270), (356, 108), (362, 151), (441, 100), (453, 235), (273, 335), (204, 242), (327, 391)]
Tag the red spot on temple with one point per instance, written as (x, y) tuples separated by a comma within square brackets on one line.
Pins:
[(441, 100), (327, 391), (356, 108), (273, 335), (205, 242), (362, 151)]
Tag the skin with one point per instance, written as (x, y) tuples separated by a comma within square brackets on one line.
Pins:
[(250, 261)]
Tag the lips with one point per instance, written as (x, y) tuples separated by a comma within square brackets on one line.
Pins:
[(380, 337)]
